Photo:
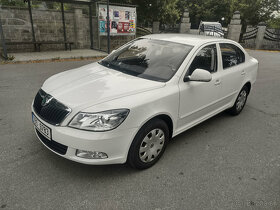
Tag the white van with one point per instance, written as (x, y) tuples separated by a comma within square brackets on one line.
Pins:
[(211, 29)]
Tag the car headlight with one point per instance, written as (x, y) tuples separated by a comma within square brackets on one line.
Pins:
[(101, 121)]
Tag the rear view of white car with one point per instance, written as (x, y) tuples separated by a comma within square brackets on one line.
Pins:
[(127, 107), (211, 29)]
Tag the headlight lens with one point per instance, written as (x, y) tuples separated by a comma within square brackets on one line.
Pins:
[(101, 121)]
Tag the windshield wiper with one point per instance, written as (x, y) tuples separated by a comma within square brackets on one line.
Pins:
[(104, 63)]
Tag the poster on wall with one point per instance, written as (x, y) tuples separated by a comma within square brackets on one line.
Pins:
[(122, 20)]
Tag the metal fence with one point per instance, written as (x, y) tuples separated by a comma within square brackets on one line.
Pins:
[(272, 36), (252, 34)]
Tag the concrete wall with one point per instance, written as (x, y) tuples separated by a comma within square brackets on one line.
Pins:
[(185, 24), (234, 28), (115, 41), (249, 43), (48, 27), (260, 42), (272, 45)]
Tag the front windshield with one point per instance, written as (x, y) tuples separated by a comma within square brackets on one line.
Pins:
[(149, 59)]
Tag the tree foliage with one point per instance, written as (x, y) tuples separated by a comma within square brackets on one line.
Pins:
[(255, 11), (35, 4), (274, 22), (19, 3), (165, 11), (170, 11), (207, 10)]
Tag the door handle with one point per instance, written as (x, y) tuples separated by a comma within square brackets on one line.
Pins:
[(218, 82), (243, 72)]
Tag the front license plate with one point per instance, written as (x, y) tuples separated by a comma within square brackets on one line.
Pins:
[(42, 128)]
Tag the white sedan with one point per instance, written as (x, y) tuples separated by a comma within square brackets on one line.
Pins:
[(126, 107)]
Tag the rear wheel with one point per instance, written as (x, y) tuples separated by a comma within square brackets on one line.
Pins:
[(240, 101), (148, 144)]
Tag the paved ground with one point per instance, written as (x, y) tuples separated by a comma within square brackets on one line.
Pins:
[(53, 55), (225, 163)]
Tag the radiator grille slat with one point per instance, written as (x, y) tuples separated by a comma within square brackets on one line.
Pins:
[(54, 112)]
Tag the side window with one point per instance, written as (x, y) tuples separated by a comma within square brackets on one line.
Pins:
[(231, 55), (205, 59)]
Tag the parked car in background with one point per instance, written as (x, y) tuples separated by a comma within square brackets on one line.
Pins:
[(127, 107), (211, 29)]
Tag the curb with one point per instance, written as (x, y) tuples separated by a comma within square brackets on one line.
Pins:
[(263, 50), (53, 60)]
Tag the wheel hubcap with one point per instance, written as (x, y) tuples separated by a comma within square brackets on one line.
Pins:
[(152, 145), (241, 100)]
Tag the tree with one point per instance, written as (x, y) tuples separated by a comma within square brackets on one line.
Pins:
[(207, 10), (165, 11), (19, 3), (252, 11), (34, 4), (274, 22), (255, 11)]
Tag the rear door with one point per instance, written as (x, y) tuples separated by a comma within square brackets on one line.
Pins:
[(232, 73)]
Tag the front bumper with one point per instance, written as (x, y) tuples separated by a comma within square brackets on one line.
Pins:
[(114, 143)]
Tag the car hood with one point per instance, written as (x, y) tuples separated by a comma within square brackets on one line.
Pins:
[(93, 84)]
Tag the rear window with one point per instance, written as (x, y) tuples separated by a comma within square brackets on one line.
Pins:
[(231, 55)]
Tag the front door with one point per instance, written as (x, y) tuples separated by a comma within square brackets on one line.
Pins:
[(199, 99)]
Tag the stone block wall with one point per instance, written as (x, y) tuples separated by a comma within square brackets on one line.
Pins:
[(115, 41), (260, 42), (185, 24), (249, 43), (234, 28), (272, 45), (48, 27)]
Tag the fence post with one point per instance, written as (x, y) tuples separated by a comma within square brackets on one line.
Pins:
[(234, 28), (260, 35), (185, 24), (3, 42), (78, 26), (155, 29)]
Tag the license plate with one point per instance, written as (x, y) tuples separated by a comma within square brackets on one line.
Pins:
[(42, 128)]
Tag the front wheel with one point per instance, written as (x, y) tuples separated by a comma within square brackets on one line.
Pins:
[(240, 101), (148, 144)]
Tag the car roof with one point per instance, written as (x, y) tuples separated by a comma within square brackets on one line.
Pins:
[(189, 39), (210, 23)]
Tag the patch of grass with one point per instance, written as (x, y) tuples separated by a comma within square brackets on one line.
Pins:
[(9, 58), (55, 59)]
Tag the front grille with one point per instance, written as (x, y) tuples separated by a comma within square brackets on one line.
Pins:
[(53, 112), (53, 145)]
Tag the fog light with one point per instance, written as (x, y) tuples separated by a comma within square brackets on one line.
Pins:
[(90, 154)]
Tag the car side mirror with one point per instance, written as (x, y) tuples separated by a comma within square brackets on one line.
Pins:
[(199, 75)]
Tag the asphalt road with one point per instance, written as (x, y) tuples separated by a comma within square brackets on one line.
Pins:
[(224, 163)]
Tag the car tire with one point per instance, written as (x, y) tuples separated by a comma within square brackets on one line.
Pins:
[(149, 144), (239, 102)]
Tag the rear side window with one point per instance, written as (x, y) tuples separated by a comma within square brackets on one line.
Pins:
[(205, 59), (231, 55)]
